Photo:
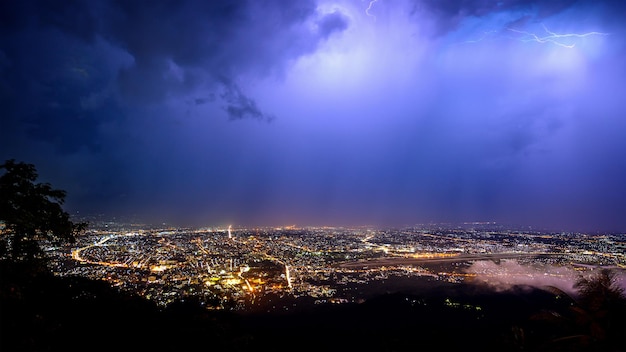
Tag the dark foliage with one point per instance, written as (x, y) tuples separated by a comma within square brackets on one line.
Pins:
[(31, 212), (593, 320), (45, 312)]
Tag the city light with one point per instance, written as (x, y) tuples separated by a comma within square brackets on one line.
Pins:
[(323, 262)]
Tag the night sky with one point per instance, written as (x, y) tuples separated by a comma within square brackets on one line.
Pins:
[(277, 112)]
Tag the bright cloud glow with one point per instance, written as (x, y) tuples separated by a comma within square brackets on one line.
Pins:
[(322, 112)]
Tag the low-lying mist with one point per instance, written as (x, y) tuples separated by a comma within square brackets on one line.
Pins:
[(510, 273)]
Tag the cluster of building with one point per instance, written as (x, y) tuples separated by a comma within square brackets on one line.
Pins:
[(226, 268)]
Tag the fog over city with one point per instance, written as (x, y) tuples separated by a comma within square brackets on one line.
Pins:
[(508, 274)]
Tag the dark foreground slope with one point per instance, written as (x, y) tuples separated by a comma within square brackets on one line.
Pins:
[(45, 313)]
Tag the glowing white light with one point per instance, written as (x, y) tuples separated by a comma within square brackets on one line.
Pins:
[(369, 7), (563, 40), (288, 277)]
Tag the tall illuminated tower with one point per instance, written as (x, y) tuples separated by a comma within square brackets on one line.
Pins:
[(230, 235)]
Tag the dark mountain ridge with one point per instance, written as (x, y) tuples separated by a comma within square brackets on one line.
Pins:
[(43, 312)]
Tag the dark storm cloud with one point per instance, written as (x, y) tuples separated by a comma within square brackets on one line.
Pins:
[(441, 113), (74, 17), (454, 9), (449, 14), (114, 54), (84, 85), (331, 23), (204, 100), (240, 106), (181, 46), (53, 83)]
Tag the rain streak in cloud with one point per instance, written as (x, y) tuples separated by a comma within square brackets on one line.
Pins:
[(322, 112)]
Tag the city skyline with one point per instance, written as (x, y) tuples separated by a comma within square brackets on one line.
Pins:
[(251, 265), (298, 282), (319, 112)]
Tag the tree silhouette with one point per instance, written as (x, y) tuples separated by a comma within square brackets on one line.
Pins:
[(595, 319), (605, 302), (31, 212)]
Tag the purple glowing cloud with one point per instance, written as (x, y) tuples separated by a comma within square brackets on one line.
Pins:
[(390, 112)]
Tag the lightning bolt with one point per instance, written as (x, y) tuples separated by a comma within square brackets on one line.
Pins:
[(483, 37), (369, 7), (562, 40)]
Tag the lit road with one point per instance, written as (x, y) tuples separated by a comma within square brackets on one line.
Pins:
[(76, 253), (270, 257)]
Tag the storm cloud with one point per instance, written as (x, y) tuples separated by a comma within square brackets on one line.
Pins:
[(409, 112)]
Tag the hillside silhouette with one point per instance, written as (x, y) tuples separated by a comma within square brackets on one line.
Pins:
[(43, 312)]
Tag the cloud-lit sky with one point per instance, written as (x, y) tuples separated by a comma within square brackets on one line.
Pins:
[(269, 112)]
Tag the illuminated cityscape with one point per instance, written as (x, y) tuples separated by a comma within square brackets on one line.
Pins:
[(257, 268), (408, 175)]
